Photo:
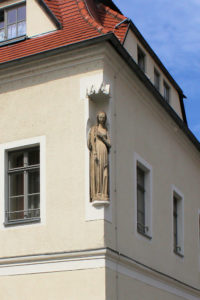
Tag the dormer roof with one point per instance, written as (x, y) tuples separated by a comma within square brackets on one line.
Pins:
[(78, 20)]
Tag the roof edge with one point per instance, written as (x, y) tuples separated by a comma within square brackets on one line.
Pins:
[(112, 5), (50, 13), (155, 57)]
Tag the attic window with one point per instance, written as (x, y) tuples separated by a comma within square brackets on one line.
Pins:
[(141, 59), (12, 22)]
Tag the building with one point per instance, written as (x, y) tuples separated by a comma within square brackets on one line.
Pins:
[(61, 62)]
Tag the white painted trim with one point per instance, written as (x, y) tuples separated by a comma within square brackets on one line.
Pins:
[(93, 259), (149, 212), (41, 140), (53, 266), (176, 191)]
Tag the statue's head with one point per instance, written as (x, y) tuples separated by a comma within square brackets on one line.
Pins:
[(101, 118)]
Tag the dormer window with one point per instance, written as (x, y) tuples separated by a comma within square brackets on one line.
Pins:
[(12, 22), (141, 59)]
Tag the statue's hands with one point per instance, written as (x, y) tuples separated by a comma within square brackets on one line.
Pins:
[(100, 135), (95, 156)]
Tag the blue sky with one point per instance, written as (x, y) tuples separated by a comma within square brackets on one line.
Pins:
[(172, 28)]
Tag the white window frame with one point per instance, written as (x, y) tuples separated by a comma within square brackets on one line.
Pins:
[(179, 195), (16, 145), (5, 9), (147, 168)]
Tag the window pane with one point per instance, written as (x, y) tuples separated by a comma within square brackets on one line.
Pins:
[(140, 201), (16, 208), (12, 31), (141, 59), (33, 156), (12, 16), (1, 19), (140, 177), (21, 13), (16, 184), (156, 80), (16, 160), (33, 181), (33, 206), (21, 28), (2, 35)]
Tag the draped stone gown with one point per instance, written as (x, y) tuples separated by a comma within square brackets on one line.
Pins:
[(99, 173)]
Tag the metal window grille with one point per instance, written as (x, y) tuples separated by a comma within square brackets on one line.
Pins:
[(23, 185)]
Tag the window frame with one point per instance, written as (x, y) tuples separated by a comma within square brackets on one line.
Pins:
[(5, 9), (147, 169), (24, 171), (18, 145), (141, 53), (178, 241)]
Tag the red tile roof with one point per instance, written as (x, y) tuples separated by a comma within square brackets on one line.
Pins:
[(80, 20)]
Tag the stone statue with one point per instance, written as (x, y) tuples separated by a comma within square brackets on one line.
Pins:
[(99, 145)]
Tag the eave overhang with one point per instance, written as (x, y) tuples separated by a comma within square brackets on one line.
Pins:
[(112, 39), (160, 64)]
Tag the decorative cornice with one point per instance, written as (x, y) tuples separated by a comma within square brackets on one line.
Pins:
[(93, 259)]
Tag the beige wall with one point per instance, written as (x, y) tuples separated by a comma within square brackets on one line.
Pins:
[(38, 22), (43, 102), (142, 126), (131, 44), (42, 98), (126, 288), (82, 284)]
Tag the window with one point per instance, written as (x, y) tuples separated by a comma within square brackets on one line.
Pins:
[(141, 227), (166, 92), (143, 197), (12, 22), (23, 185), (141, 59), (157, 79), (177, 223)]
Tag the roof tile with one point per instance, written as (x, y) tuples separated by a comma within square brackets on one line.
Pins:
[(78, 24)]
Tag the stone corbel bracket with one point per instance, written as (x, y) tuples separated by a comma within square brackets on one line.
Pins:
[(99, 93)]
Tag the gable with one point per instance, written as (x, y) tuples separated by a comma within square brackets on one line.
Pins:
[(38, 21)]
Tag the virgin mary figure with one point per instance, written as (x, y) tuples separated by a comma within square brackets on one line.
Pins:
[(99, 145)]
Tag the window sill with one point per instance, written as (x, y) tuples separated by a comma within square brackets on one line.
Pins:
[(22, 222), (144, 235), (12, 41)]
